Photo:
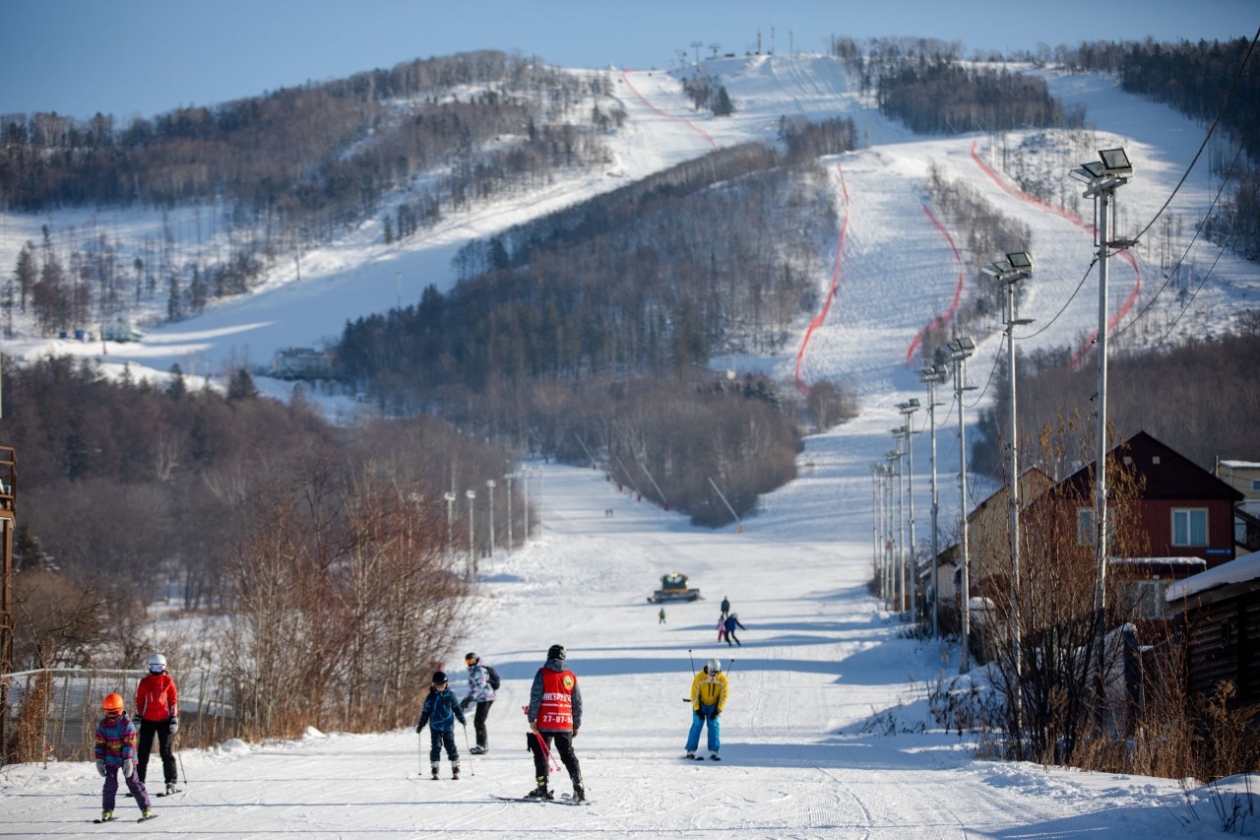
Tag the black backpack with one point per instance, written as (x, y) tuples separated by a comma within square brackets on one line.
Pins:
[(493, 676)]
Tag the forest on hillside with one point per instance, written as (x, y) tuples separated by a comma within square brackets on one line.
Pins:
[(130, 492), (1200, 398), (274, 174)]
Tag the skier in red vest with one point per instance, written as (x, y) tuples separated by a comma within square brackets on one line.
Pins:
[(555, 715)]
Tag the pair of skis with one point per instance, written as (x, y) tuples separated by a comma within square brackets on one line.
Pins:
[(565, 799), (98, 821)]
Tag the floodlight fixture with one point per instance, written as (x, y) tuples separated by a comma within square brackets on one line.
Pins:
[(911, 404), (961, 347), (1116, 161), (1094, 168), (996, 269), (1020, 261)]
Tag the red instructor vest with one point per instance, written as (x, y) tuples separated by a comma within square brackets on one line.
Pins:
[(555, 713)]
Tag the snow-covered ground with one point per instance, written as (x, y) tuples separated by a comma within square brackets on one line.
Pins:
[(823, 661), (826, 732)]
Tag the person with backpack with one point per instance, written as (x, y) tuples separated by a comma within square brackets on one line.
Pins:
[(708, 697), (116, 750), (483, 681), (157, 707), (555, 715), (441, 710)]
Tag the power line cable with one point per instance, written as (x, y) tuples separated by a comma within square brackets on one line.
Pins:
[(1068, 303)]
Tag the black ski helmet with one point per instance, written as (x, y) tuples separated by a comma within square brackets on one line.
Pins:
[(470, 657), (439, 678), (556, 652)]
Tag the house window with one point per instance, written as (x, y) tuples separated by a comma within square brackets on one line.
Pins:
[(1255, 484), (1086, 531), (1189, 527)]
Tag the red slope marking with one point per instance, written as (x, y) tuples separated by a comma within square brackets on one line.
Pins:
[(946, 316), (831, 293), (643, 99), (1126, 255)]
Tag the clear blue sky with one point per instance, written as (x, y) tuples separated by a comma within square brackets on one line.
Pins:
[(125, 57)]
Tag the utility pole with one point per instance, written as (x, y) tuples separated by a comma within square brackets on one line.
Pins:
[(934, 375), (907, 410), (1008, 272), (1102, 178), (450, 518), (510, 476), (961, 348), (490, 485), (472, 548)]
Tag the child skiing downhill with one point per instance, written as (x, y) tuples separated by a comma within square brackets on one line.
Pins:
[(441, 709), (708, 697), (116, 750)]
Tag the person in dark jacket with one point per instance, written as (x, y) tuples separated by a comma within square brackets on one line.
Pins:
[(441, 710), (732, 621), (555, 715), (116, 750)]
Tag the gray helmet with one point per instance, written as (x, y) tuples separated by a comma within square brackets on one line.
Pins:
[(714, 666), (157, 663)]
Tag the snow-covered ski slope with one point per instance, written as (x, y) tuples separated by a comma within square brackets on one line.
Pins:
[(807, 750), (825, 734)]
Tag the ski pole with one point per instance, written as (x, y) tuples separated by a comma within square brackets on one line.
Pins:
[(420, 752), (693, 662), (180, 756), (471, 770)]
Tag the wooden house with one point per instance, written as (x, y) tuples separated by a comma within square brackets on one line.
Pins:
[(1220, 613)]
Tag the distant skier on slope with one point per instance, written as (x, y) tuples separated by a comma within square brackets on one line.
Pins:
[(708, 697), (555, 715), (440, 711), (732, 621), (721, 628)]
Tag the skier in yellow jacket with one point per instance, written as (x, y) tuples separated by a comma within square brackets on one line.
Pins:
[(708, 697)]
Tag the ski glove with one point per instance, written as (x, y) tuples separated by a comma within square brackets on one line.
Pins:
[(174, 725), (129, 767), (714, 715), (419, 728), (466, 702), (100, 767)]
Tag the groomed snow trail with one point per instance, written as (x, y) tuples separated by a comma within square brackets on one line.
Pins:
[(820, 680)]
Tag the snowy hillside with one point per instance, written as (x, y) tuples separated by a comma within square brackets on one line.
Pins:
[(826, 732)]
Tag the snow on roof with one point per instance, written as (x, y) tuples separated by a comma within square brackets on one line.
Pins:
[(1239, 570), (1241, 465), (1157, 561)]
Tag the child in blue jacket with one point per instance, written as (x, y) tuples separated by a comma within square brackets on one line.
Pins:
[(441, 710)]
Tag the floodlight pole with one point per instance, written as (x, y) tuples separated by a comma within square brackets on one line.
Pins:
[(472, 549), (875, 517), (933, 375), (490, 485), (899, 590), (907, 409), (450, 518), (1103, 179), (510, 476), (961, 349)]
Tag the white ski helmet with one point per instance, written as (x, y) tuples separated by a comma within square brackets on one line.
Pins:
[(157, 663), (714, 666)]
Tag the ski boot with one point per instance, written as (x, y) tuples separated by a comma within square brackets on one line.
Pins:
[(579, 790), (435, 772), (690, 754), (455, 772), (106, 816), (479, 750), (540, 792), (146, 814), (714, 757), (170, 788)]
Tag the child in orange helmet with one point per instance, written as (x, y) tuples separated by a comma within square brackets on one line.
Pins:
[(116, 750)]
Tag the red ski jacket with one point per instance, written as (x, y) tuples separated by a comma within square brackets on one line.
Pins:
[(156, 699)]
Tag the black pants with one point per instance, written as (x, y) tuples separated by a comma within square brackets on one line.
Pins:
[(730, 637), (479, 722), (438, 740), (163, 730), (563, 744)]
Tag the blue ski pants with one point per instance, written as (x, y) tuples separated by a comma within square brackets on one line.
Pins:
[(698, 719)]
